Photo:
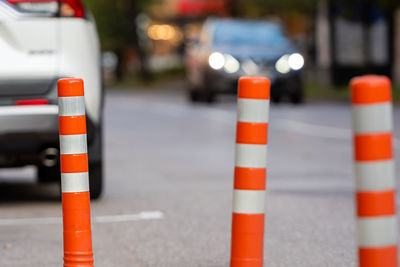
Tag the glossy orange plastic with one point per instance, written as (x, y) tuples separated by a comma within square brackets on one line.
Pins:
[(74, 163), (378, 257), (70, 87), (75, 205), (250, 178), (370, 89), (379, 203), (254, 87), (370, 147), (72, 125), (247, 240), (77, 230), (252, 133)]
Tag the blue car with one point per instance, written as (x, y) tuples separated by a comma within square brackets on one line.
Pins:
[(230, 48)]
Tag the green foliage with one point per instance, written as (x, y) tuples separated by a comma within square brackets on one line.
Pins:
[(287, 5), (308, 6), (115, 21)]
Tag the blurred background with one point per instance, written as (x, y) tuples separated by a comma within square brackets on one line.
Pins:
[(161, 136), (146, 40)]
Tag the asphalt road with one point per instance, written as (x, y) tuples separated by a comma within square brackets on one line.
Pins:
[(168, 193)]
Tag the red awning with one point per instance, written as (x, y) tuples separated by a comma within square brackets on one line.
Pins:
[(200, 7)]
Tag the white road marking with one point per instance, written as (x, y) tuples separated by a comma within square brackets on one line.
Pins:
[(312, 129), (144, 215), (316, 130)]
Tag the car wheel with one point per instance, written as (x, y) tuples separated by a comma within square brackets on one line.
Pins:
[(194, 96), (209, 97), (95, 154), (296, 97), (96, 179), (276, 98), (48, 174), (205, 96)]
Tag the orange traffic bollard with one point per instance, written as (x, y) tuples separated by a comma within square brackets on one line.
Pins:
[(374, 171), (74, 174), (250, 172)]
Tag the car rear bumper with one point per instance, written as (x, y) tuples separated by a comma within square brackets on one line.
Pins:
[(28, 119), (26, 132)]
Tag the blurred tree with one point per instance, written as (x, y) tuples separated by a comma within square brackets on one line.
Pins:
[(252, 8), (307, 7), (116, 23)]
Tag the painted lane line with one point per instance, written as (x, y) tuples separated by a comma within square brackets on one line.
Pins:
[(315, 130), (141, 216), (145, 215)]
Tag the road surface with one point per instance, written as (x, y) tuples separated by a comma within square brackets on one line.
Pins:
[(168, 192)]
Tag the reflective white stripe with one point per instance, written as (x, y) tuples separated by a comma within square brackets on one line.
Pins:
[(253, 110), (375, 175), (251, 156), (372, 118), (73, 144), (377, 231), (248, 201), (71, 106), (75, 182)]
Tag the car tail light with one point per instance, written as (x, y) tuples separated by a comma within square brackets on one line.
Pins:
[(65, 8), (31, 102), (72, 8)]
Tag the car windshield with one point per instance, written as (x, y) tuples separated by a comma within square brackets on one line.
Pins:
[(238, 33)]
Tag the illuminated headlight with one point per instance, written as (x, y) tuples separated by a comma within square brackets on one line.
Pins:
[(289, 62), (231, 65), (282, 65), (216, 61), (296, 61)]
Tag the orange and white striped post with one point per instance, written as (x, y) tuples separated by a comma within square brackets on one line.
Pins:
[(74, 174), (374, 171), (250, 172)]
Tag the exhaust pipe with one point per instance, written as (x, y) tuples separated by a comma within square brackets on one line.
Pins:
[(49, 157)]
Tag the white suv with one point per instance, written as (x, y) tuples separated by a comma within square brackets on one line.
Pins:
[(40, 42)]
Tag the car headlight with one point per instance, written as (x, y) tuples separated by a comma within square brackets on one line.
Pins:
[(282, 65), (231, 65), (289, 62), (296, 61), (216, 61)]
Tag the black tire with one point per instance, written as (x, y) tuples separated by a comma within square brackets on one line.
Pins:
[(48, 174), (95, 179), (296, 97), (209, 97), (194, 96), (95, 153), (276, 98), (201, 96)]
